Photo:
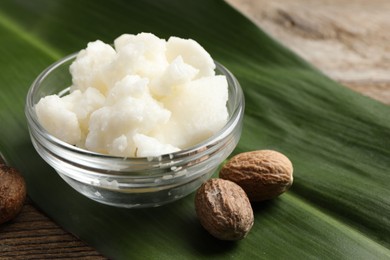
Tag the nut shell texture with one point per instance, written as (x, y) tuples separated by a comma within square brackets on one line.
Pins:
[(263, 174), (12, 193), (224, 209)]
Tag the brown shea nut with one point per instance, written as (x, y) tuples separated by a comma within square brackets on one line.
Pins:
[(224, 209), (263, 174), (12, 193)]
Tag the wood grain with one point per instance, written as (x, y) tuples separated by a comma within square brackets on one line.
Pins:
[(32, 235), (347, 40)]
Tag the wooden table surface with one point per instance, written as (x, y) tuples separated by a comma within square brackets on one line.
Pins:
[(347, 40)]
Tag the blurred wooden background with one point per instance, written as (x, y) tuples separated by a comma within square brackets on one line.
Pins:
[(347, 40)]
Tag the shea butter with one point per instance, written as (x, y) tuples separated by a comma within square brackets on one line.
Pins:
[(142, 96)]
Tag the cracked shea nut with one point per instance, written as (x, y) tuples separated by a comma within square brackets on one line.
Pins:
[(12, 193), (224, 209), (263, 174)]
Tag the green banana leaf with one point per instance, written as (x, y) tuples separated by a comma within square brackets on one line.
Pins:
[(338, 140)]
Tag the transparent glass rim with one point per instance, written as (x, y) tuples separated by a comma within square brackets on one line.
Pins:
[(234, 116)]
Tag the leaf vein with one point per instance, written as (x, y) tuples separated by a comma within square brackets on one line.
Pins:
[(12, 26)]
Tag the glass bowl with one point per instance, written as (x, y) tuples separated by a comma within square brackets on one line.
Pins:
[(131, 182)]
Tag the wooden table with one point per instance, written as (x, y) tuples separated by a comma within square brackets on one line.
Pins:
[(347, 40)]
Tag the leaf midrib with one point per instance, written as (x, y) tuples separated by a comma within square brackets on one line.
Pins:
[(45, 48), (14, 27)]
